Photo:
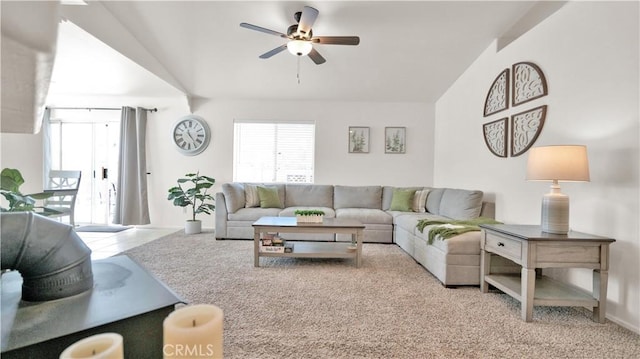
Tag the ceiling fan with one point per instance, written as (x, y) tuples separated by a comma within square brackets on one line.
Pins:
[(301, 37)]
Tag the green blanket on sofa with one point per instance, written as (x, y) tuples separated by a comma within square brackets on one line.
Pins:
[(450, 228)]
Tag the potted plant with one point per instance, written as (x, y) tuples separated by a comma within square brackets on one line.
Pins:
[(192, 191), (309, 215), (10, 181)]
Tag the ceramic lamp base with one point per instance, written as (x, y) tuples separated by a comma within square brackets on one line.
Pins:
[(555, 212)]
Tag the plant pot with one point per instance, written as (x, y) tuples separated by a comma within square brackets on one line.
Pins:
[(309, 218), (193, 227)]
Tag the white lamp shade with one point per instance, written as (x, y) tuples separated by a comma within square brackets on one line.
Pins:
[(299, 47), (558, 163)]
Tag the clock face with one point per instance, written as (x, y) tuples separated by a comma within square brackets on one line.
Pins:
[(191, 135)]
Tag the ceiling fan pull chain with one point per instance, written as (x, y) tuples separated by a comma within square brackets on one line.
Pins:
[(298, 75)]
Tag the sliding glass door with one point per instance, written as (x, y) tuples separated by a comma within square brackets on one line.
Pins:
[(88, 141)]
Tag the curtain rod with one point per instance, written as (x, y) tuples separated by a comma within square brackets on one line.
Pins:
[(97, 108)]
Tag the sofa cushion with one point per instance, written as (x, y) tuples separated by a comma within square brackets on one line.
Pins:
[(465, 243), (269, 197), (234, 196), (419, 203), (308, 195), (409, 221), (402, 200), (461, 204), (357, 197), (251, 197), (433, 200), (365, 215), (253, 214)]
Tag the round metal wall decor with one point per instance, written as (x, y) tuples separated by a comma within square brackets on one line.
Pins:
[(498, 96), (525, 128), (527, 83), (495, 136)]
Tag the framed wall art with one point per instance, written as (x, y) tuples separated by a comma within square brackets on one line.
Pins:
[(395, 139), (358, 139)]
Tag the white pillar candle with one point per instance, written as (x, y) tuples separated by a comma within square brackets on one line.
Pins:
[(194, 331), (100, 346)]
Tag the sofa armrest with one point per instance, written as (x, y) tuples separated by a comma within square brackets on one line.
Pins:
[(221, 216)]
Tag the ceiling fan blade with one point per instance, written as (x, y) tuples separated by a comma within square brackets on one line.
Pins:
[(309, 16), (316, 57), (262, 29), (275, 51), (336, 40)]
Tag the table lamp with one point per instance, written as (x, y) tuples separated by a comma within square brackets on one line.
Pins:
[(557, 163)]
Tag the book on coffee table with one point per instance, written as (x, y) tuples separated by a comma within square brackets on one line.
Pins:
[(272, 249), (283, 247)]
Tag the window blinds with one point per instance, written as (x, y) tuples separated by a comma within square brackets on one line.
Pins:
[(273, 151)]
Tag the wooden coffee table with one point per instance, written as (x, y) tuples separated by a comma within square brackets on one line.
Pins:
[(310, 249)]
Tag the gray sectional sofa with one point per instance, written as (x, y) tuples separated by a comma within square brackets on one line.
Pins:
[(454, 261)]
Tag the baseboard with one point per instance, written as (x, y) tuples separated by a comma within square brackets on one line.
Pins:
[(624, 324)]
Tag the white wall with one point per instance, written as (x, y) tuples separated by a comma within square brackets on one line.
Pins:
[(24, 153), (333, 163), (588, 52)]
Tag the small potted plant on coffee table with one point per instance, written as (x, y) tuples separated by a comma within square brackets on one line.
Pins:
[(309, 215)]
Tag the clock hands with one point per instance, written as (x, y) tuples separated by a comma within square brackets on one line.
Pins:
[(189, 136), (194, 140)]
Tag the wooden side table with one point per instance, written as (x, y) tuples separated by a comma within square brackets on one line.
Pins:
[(531, 248)]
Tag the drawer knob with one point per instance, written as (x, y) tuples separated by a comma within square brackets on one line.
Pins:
[(500, 244)]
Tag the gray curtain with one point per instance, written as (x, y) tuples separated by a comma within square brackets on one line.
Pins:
[(131, 190)]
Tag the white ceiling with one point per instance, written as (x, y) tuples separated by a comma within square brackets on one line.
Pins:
[(409, 51)]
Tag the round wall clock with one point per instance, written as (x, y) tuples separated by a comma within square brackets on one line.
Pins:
[(191, 135)]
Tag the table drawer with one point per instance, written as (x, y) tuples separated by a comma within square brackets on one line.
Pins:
[(503, 246)]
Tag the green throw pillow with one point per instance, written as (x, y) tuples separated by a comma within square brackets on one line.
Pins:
[(269, 197), (402, 200)]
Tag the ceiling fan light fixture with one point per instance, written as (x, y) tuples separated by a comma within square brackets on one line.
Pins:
[(299, 47)]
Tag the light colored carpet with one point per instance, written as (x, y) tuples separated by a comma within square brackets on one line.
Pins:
[(389, 308)]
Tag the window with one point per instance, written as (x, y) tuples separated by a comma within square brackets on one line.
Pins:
[(273, 151), (88, 141)]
